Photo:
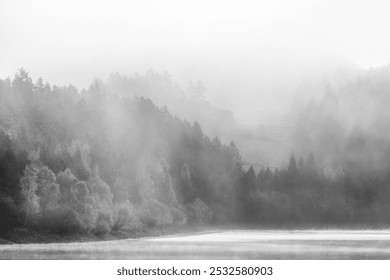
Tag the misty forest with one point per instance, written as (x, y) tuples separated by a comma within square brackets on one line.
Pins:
[(126, 156)]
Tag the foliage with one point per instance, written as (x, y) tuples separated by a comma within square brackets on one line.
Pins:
[(124, 217), (62, 220), (154, 214), (8, 213), (101, 160), (198, 212), (48, 190), (30, 200), (179, 217)]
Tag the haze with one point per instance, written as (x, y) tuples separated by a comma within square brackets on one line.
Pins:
[(157, 116), (249, 54)]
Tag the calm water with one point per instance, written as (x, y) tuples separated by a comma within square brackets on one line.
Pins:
[(237, 244)]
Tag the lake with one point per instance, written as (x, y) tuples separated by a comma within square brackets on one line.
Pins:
[(230, 244)]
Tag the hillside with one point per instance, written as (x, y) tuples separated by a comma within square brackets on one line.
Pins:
[(96, 162)]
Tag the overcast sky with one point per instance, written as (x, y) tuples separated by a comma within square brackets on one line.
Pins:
[(247, 53)]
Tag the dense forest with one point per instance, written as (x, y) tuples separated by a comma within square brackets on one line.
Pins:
[(101, 161), (96, 161)]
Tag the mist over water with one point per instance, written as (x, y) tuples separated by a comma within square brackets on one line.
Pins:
[(238, 244)]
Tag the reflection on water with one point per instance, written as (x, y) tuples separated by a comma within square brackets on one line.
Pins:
[(238, 244)]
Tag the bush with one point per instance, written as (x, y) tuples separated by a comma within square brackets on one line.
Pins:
[(153, 213), (124, 217), (178, 216), (198, 212), (103, 222), (62, 220)]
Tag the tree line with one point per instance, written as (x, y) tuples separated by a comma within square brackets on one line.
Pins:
[(96, 162)]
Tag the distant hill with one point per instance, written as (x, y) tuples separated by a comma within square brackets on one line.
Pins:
[(350, 124), (188, 104), (258, 146)]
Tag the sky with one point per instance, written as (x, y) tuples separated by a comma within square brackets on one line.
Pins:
[(249, 54)]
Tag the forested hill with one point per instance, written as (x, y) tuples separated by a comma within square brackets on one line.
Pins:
[(260, 146), (95, 162)]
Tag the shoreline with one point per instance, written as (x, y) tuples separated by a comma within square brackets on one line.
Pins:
[(23, 236)]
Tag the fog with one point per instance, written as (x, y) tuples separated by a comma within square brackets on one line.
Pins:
[(156, 115), (249, 54)]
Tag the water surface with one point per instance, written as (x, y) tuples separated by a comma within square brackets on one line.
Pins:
[(232, 244)]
